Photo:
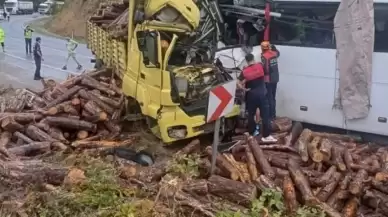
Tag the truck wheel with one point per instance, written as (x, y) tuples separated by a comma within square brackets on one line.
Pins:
[(99, 64)]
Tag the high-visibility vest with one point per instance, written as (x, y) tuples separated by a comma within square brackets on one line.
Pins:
[(2, 35), (28, 33)]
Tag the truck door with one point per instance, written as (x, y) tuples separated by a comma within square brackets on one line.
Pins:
[(150, 77)]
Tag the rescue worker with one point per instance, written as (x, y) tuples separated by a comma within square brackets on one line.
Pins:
[(269, 59), (2, 38), (28, 39), (252, 81), (71, 45), (38, 57)]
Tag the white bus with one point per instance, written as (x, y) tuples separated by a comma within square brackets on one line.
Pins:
[(309, 76)]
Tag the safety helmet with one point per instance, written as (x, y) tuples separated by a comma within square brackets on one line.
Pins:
[(265, 45), (165, 44)]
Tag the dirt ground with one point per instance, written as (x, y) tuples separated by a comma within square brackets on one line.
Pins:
[(72, 18)]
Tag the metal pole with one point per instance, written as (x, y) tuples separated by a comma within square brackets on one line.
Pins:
[(215, 145)]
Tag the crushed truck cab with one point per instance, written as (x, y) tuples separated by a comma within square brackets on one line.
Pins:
[(150, 59)]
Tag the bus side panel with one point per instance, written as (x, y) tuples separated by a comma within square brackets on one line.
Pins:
[(379, 102), (308, 86)]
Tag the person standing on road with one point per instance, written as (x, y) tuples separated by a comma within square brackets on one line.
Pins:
[(38, 57), (251, 80), (2, 38), (28, 39), (5, 14), (71, 46), (269, 58)]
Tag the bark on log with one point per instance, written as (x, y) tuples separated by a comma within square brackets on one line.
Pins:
[(300, 181), (92, 97), (252, 167), (31, 148), (189, 148), (10, 125), (82, 134), (281, 125), (289, 195), (313, 150), (326, 177), (38, 135), (348, 159), (223, 164), (296, 130), (67, 95), (231, 190), (234, 163), (23, 137), (328, 190), (338, 137), (5, 138), (325, 149), (356, 186), (57, 134), (380, 185), (71, 123), (276, 147), (22, 117), (384, 160), (376, 200), (115, 103), (337, 158), (302, 142), (82, 144), (199, 187), (261, 160)]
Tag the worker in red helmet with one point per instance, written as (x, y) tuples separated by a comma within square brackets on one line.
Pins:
[(251, 80), (269, 59)]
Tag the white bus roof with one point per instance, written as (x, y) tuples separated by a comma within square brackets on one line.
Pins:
[(326, 1)]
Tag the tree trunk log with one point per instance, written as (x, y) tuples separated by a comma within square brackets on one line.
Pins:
[(296, 130), (92, 97), (71, 123), (302, 143), (356, 186), (300, 181), (238, 192), (38, 135), (224, 165), (23, 137), (66, 96), (199, 187), (376, 200), (326, 177), (189, 148), (338, 137), (5, 138), (252, 167), (10, 125), (289, 195), (94, 84), (351, 207), (22, 117), (312, 148), (262, 161), (328, 190), (325, 149), (337, 158), (30, 149)]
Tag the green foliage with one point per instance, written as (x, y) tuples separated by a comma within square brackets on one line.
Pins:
[(270, 204), (184, 166)]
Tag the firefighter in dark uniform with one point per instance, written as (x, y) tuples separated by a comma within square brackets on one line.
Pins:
[(269, 59), (252, 81)]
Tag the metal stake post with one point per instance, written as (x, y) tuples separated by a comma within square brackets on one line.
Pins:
[(216, 141)]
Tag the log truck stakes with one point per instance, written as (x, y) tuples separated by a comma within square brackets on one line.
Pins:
[(338, 174)]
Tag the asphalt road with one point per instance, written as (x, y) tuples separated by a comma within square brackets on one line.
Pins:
[(17, 68)]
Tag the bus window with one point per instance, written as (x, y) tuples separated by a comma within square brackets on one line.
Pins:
[(381, 29)]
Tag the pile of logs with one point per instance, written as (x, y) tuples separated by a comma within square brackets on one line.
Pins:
[(334, 172), (79, 113)]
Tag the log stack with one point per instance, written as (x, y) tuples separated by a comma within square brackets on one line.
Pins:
[(81, 112), (336, 173)]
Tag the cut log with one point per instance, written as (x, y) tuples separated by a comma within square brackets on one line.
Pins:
[(205, 168), (302, 143), (233, 162), (337, 158), (189, 148), (10, 125), (325, 149), (94, 84), (312, 148), (112, 127), (57, 134), (339, 137), (225, 167), (326, 177), (81, 144), (356, 186), (237, 192), (71, 123), (199, 187), (380, 185), (289, 195), (281, 125), (71, 110), (351, 207), (296, 130), (279, 148), (348, 159), (38, 135), (328, 190), (92, 108), (264, 182), (384, 160), (261, 160), (115, 102), (23, 137), (251, 163), (22, 117), (92, 97), (66, 96), (82, 134), (5, 138), (376, 200), (300, 181), (31, 149)]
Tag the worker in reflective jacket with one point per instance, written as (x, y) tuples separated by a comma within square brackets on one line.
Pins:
[(28, 39), (269, 59), (252, 81), (2, 38)]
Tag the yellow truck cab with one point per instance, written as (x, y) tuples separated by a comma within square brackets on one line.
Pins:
[(171, 93)]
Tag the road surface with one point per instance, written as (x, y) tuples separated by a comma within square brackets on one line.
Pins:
[(17, 68)]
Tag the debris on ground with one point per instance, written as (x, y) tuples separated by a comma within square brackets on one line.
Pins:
[(64, 152)]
